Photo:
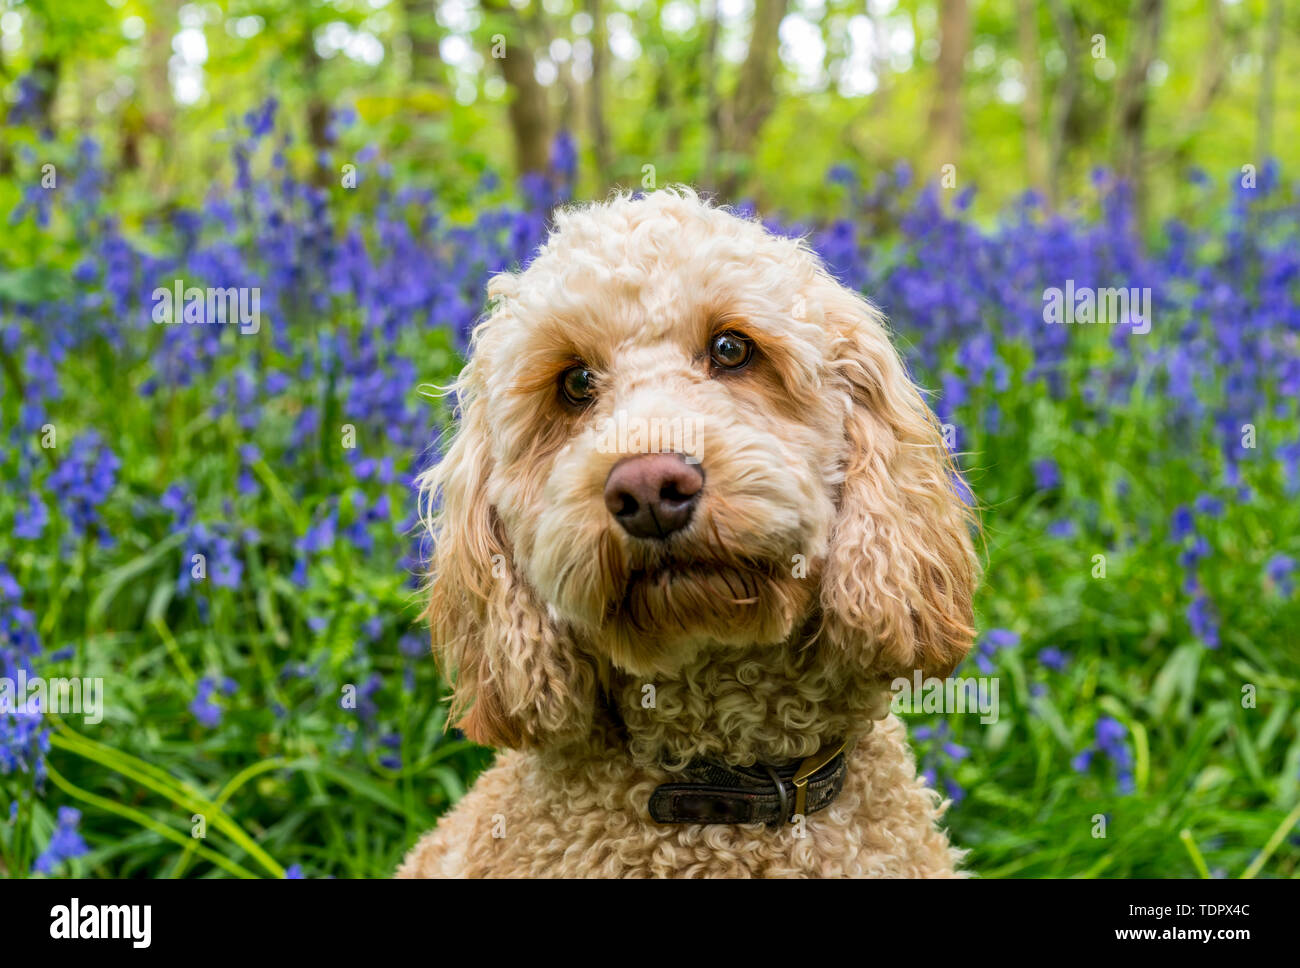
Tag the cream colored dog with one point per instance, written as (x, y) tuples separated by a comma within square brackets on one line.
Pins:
[(695, 512)]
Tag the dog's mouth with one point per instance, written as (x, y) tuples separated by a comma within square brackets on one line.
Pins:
[(741, 579), (683, 594)]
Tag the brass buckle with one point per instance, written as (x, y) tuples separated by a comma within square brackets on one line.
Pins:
[(810, 766)]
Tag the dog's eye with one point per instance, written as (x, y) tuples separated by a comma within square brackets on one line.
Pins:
[(577, 385), (730, 351)]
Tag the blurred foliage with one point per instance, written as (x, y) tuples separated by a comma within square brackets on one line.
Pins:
[(855, 82)]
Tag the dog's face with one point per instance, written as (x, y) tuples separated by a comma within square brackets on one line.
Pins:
[(678, 432), (664, 461)]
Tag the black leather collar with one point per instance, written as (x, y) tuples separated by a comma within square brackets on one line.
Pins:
[(717, 793)]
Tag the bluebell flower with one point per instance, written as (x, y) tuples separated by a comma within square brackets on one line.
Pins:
[(204, 708), (1209, 505), (262, 120), (1183, 524), (988, 646), (1197, 551), (1047, 475), (1112, 744), (179, 503), (31, 518), (1204, 621), (1279, 570), (65, 843), (83, 481), (842, 174), (1053, 658), (956, 792), (24, 737)]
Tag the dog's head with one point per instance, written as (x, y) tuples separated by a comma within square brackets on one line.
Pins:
[(678, 432)]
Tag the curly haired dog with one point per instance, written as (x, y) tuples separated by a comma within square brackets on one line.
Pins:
[(696, 517)]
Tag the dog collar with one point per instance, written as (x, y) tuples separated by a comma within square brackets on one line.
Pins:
[(774, 795)]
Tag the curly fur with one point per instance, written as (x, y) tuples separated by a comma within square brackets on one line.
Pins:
[(828, 554)]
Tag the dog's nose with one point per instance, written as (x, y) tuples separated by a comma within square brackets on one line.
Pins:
[(653, 495)]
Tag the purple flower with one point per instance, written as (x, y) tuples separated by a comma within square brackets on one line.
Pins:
[(1204, 621), (83, 481), (24, 738), (179, 503), (956, 792), (1110, 734), (1209, 505), (564, 157), (1196, 551), (842, 174), (1047, 476), (1064, 528), (261, 121), (1111, 744), (65, 843), (205, 710), (30, 520), (320, 536), (1279, 569), (1053, 658), (993, 641), (1002, 638)]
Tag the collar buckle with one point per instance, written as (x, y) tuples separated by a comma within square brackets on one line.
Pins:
[(810, 766)]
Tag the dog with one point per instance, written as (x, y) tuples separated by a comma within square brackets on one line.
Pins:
[(694, 520)]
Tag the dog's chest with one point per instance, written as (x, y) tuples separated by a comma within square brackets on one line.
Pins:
[(540, 815), (768, 705)]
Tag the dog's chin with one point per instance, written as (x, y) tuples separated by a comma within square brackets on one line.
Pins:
[(667, 613)]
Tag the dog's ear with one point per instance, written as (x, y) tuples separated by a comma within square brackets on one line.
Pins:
[(519, 681), (900, 570)]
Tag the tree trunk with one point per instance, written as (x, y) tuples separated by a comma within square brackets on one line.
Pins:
[(527, 111), (1268, 77), (596, 100), (318, 109), (879, 101), (712, 105), (754, 98), (1031, 108), (423, 36), (944, 130), (571, 107), (1131, 99), (1222, 46), (156, 101), (1067, 97), (6, 151), (46, 71)]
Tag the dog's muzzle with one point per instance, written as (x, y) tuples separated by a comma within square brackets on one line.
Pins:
[(774, 795)]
